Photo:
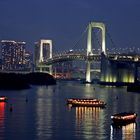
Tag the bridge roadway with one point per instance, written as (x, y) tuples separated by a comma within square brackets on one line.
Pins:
[(93, 57)]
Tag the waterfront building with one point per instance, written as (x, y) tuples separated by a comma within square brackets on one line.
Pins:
[(63, 70), (28, 61), (117, 71), (13, 55)]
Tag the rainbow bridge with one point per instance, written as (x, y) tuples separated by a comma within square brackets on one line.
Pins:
[(108, 61)]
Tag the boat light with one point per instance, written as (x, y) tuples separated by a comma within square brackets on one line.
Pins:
[(112, 117)]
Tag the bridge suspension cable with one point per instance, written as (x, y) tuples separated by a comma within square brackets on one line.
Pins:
[(77, 43), (110, 38)]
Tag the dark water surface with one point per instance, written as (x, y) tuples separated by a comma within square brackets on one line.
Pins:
[(47, 117)]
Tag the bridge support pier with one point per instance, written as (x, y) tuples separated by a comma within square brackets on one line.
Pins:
[(50, 70), (40, 69), (45, 69), (88, 76)]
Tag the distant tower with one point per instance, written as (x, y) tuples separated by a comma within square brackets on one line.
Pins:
[(43, 51)]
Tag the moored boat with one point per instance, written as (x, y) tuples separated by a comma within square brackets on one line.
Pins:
[(124, 117), (3, 99), (86, 103)]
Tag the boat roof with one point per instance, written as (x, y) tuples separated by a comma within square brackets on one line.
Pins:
[(124, 114), (83, 99)]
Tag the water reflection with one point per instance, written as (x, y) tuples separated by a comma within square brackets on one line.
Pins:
[(89, 91), (87, 113), (2, 118), (87, 120), (127, 132), (44, 112)]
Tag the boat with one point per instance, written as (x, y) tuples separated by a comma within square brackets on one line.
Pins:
[(124, 118), (3, 99), (86, 103)]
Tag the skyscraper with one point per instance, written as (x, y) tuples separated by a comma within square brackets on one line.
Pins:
[(28, 61), (13, 55)]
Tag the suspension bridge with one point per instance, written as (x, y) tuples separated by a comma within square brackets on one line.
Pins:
[(89, 55)]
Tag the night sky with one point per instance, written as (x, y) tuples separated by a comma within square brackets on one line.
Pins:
[(63, 21)]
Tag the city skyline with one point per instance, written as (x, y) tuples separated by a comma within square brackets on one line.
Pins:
[(63, 21)]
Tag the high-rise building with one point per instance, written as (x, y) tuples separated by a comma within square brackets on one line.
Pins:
[(13, 55), (28, 61)]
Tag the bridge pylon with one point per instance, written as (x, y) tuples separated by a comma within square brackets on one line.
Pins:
[(42, 53), (91, 26)]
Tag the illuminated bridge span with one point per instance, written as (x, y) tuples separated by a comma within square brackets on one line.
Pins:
[(70, 57), (87, 57), (93, 57), (107, 60), (124, 57)]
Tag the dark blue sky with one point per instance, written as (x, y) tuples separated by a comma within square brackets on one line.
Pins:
[(63, 21)]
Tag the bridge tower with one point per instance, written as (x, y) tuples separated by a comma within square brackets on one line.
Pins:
[(42, 53), (91, 26)]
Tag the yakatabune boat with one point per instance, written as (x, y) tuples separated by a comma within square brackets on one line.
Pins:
[(124, 117), (3, 99), (86, 103)]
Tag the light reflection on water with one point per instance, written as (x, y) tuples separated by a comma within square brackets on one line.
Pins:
[(127, 132), (46, 115), (87, 119), (2, 119), (44, 112)]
